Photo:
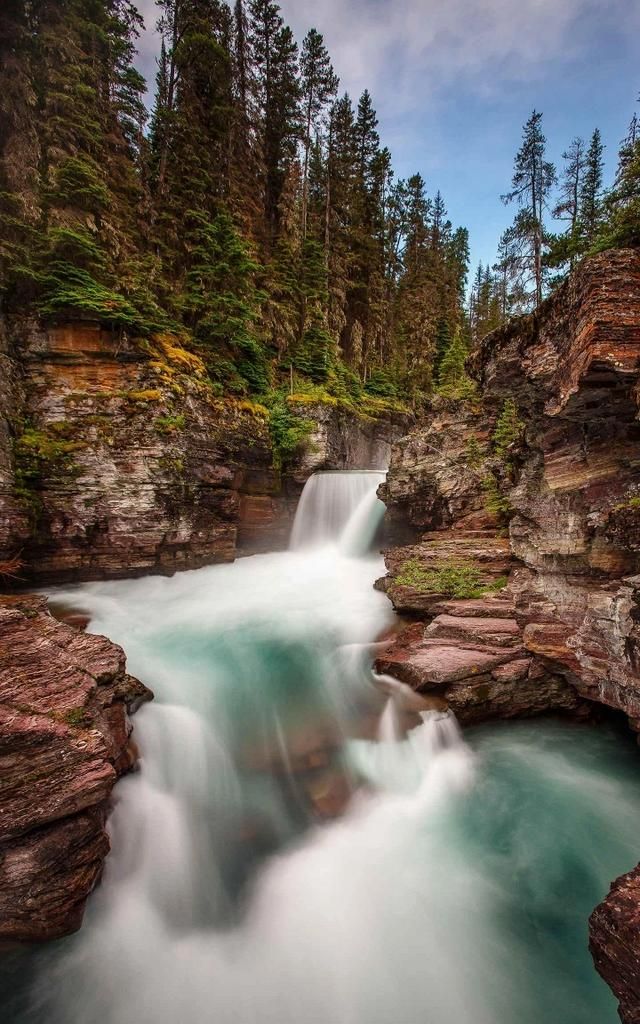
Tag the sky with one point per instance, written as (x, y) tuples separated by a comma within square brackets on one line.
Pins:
[(453, 81)]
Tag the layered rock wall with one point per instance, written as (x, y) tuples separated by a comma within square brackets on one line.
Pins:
[(117, 458), (65, 737), (557, 510)]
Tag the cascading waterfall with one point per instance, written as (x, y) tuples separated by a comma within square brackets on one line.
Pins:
[(307, 843), (327, 506)]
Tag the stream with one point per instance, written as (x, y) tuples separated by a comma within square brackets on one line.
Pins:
[(305, 845)]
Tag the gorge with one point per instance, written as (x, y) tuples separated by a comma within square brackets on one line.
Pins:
[(289, 797)]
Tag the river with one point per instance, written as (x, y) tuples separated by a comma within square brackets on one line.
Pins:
[(295, 849)]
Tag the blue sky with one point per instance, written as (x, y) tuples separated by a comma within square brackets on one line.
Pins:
[(454, 80)]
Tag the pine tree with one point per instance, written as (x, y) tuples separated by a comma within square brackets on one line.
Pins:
[(275, 61), (453, 380), (533, 178), (319, 85), (591, 191), (259, 216), (568, 206), (621, 219)]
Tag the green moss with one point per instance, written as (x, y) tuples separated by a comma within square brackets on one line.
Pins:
[(38, 453), (169, 424), (142, 397), (454, 579), (629, 505), (75, 717)]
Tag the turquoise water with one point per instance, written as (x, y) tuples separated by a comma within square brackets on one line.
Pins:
[(279, 859)]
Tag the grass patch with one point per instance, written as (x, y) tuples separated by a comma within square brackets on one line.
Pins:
[(453, 579)]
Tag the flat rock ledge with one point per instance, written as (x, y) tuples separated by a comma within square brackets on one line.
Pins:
[(473, 657), (65, 738)]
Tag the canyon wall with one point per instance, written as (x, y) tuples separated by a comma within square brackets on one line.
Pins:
[(65, 737), (516, 517), (117, 458)]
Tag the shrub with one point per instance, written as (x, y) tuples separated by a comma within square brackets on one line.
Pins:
[(473, 452), (495, 502), (509, 428), (289, 433)]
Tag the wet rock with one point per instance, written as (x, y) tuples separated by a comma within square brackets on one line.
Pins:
[(570, 489), (614, 940), (65, 737)]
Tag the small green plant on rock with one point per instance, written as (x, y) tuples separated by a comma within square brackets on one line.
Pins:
[(454, 579), (496, 503), (169, 424), (631, 504), (474, 453), (509, 429)]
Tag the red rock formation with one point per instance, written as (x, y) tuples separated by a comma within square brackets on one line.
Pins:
[(65, 737), (614, 928), (570, 489), (117, 458)]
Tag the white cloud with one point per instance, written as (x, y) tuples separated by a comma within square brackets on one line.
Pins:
[(406, 52)]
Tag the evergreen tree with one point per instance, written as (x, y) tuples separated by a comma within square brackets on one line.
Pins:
[(275, 61), (319, 85), (621, 208), (533, 178), (259, 216), (591, 190), (453, 380), (568, 206)]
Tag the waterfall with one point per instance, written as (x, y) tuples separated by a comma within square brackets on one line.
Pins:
[(328, 502), (305, 843)]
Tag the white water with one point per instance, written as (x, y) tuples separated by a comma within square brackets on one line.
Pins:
[(253, 878), (327, 505)]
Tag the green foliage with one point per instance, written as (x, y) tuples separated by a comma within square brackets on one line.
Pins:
[(210, 224), (79, 183), (221, 303), (37, 454), (451, 578), (509, 429), (495, 502), (453, 380), (474, 454), (313, 356), (381, 384), (170, 424), (67, 288), (289, 433)]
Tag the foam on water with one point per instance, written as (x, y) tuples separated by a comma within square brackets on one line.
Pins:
[(231, 894)]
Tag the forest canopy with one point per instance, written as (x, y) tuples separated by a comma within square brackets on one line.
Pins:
[(254, 209)]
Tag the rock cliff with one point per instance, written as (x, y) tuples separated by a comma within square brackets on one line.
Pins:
[(65, 737), (517, 520), (117, 458)]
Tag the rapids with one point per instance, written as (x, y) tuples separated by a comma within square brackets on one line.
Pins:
[(291, 852)]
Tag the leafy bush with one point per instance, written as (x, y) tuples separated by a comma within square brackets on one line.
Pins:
[(289, 433)]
